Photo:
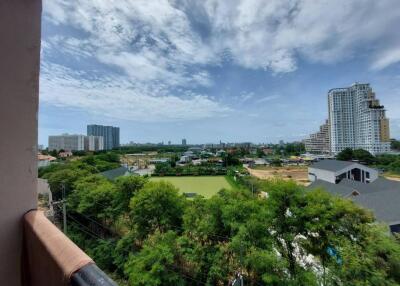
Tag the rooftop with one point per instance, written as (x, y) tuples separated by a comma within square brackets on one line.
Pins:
[(332, 165), (115, 173), (381, 196)]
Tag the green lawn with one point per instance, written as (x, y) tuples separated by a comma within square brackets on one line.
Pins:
[(202, 185)]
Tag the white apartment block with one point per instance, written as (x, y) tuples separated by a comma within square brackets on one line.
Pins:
[(319, 143), (94, 143), (67, 142), (74, 142), (357, 120)]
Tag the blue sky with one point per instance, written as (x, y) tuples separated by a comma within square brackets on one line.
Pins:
[(208, 70)]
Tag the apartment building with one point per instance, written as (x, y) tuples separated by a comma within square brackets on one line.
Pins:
[(109, 133), (70, 142), (319, 143), (94, 143), (357, 120)]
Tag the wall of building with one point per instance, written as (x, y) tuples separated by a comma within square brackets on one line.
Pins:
[(19, 74), (318, 174)]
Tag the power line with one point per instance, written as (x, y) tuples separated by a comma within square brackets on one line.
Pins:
[(88, 230), (185, 275)]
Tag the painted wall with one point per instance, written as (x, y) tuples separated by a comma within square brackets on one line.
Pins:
[(321, 175), (19, 75)]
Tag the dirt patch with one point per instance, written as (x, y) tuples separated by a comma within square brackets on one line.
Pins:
[(393, 178), (300, 175)]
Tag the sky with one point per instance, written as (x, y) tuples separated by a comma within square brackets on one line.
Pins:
[(210, 70)]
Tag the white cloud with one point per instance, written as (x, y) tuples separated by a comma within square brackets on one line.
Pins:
[(115, 97), (246, 95), (386, 59), (266, 34), (160, 49), (268, 98)]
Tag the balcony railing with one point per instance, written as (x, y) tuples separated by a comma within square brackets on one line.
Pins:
[(50, 258)]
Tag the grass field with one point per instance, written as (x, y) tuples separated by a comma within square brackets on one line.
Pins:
[(202, 185)]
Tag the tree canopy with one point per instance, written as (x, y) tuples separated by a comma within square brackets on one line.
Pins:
[(293, 236)]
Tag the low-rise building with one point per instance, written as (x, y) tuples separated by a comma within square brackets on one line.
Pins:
[(333, 171), (115, 173), (345, 179), (45, 160)]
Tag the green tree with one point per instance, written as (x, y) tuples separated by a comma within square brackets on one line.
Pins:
[(93, 196), (126, 188), (158, 206), (155, 264), (285, 203), (63, 178), (363, 156), (328, 222), (345, 155)]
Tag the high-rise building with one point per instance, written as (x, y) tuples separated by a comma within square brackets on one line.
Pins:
[(319, 143), (67, 142), (110, 135), (94, 143), (184, 142), (357, 120)]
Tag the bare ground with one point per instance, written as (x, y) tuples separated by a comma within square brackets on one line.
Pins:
[(298, 174)]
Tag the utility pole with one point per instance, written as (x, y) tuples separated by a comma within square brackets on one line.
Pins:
[(64, 202)]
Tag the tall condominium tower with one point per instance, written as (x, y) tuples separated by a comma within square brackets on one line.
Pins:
[(110, 135), (319, 142), (357, 120)]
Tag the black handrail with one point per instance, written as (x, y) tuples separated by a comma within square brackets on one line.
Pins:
[(91, 275)]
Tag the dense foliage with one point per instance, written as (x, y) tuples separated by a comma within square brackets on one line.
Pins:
[(384, 162), (292, 237), (205, 169), (395, 144), (65, 174)]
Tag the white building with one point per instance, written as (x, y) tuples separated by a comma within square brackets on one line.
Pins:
[(362, 185), (319, 143), (333, 171), (44, 160), (67, 142), (94, 143), (357, 120), (74, 142)]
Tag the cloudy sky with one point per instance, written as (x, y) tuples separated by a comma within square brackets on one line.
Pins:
[(210, 70)]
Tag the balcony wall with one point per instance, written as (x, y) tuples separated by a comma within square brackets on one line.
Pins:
[(19, 81), (49, 257)]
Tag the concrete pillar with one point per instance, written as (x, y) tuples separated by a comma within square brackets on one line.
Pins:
[(19, 82)]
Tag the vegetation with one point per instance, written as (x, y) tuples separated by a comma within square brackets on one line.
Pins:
[(395, 144), (289, 149), (385, 162), (205, 169), (65, 174), (146, 233)]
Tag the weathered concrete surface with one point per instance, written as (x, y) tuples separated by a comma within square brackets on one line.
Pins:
[(20, 22)]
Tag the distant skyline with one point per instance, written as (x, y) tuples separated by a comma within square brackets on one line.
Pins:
[(254, 71)]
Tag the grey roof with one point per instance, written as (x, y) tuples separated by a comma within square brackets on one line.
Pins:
[(331, 165), (334, 189), (115, 173), (382, 196)]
